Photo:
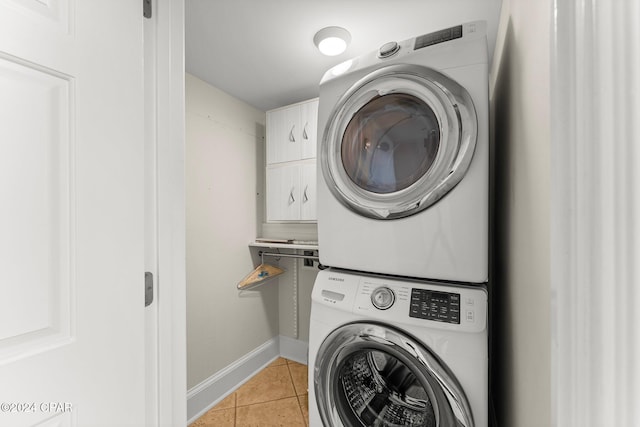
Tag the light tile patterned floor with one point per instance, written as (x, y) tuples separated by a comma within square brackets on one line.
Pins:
[(276, 396)]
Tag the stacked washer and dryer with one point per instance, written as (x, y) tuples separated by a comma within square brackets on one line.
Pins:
[(398, 333)]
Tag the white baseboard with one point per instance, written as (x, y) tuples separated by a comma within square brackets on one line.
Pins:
[(214, 389), (294, 349)]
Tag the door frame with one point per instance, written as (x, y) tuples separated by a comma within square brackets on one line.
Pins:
[(595, 234), (171, 222)]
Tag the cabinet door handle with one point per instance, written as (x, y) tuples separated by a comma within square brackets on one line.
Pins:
[(304, 131), (305, 198), (291, 198), (292, 138)]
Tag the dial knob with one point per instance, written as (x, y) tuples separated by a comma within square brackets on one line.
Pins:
[(382, 298), (388, 49)]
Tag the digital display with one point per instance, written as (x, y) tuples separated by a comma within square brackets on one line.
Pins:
[(432, 305), (438, 37)]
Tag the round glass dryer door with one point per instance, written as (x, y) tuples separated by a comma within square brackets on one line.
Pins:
[(398, 140), (375, 376)]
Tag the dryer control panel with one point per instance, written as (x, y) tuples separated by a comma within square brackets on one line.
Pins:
[(438, 37)]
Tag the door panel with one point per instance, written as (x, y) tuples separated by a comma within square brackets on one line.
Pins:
[(309, 132), (36, 223), (291, 140), (309, 201), (54, 14), (284, 135), (283, 189)]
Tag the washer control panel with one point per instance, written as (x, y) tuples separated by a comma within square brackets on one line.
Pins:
[(408, 302), (418, 302), (382, 298), (433, 305)]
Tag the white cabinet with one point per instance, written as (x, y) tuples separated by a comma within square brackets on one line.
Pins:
[(291, 191), (283, 193), (291, 132), (309, 123), (308, 192), (291, 162)]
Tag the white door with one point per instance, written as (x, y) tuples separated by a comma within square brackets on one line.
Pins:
[(71, 213)]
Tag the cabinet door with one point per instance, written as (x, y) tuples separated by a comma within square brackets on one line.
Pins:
[(283, 193), (284, 135), (309, 131), (308, 192)]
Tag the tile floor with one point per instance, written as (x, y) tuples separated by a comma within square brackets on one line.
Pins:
[(276, 396)]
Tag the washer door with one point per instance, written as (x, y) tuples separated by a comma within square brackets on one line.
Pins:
[(398, 141), (368, 374)]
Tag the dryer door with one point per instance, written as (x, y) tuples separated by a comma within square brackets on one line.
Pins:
[(398, 141), (369, 374)]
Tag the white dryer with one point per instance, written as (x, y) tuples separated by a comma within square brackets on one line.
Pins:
[(403, 184), (389, 352)]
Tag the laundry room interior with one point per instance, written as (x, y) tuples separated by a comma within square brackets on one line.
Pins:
[(247, 64), (320, 213)]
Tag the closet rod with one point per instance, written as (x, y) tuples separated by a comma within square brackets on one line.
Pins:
[(315, 258)]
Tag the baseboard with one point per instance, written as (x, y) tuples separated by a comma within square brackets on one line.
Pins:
[(214, 389), (294, 349)]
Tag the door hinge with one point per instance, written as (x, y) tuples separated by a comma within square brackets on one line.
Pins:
[(148, 288), (146, 8)]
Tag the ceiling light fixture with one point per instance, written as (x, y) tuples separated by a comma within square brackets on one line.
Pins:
[(332, 41), (342, 67)]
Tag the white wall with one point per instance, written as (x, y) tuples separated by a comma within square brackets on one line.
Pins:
[(224, 164), (520, 111)]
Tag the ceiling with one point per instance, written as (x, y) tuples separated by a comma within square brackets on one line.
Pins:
[(262, 51)]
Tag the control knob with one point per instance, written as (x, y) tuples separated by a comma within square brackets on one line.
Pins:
[(388, 49), (382, 298)]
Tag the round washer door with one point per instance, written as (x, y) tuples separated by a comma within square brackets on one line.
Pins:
[(368, 374), (398, 141)]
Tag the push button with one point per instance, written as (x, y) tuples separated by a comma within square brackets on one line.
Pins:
[(470, 316)]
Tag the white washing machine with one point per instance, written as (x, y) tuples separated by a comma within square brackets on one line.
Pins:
[(389, 352), (403, 184)]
